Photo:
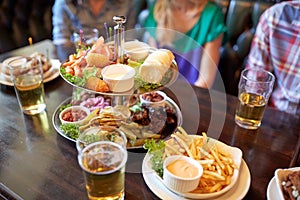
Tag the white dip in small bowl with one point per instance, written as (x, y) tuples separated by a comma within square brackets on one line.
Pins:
[(119, 77), (181, 173)]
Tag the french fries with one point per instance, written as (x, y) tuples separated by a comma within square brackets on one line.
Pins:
[(218, 166)]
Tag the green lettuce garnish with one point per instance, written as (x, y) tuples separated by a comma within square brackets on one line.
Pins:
[(64, 107), (69, 77), (134, 64), (87, 73), (71, 130), (143, 85), (156, 149), (79, 81), (137, 107)]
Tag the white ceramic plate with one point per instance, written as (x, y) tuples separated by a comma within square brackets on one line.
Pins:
[(274, 187), (237, 157), (238, 191), (272, 191), (51, 74)]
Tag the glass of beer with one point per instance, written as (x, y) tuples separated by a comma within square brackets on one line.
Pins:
[(103, 164), (255, 88), (27, 77)]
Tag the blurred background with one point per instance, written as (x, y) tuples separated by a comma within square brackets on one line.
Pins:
[(22, 19)]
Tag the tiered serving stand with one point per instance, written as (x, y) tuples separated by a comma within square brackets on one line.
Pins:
[(119, 98)]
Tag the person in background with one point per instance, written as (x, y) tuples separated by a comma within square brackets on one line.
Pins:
[(201, 22), (72, 15), (276, 48)]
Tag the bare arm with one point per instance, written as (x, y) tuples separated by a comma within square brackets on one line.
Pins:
[(209, 63)]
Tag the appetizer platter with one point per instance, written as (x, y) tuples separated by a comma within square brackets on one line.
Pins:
[(154, 69), (221, 164), (139, 121), (50, 68), (124, 81)]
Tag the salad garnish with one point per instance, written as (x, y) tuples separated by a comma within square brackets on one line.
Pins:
[(156, 150)]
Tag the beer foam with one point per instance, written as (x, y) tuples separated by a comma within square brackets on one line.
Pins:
[(110, 157)]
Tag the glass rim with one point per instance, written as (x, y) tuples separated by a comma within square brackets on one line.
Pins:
[(85, 31), (272, 79), (122, 163), (23, 60), (100, 128), (20, 64)]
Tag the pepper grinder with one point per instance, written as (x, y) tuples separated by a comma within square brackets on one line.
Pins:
[(119, 38)]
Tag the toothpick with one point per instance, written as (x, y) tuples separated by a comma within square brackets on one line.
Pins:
[(81, 38), (30, 44), (106, 31), (30, 41)]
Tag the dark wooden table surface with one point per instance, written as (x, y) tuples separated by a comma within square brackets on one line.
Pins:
[(38, 163)]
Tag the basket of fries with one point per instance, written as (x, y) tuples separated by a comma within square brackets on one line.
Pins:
[(220, 162)]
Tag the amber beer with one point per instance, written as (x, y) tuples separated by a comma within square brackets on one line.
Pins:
[(255, 88), (103, 165), (30, 92), (250, 110), (27, 77)]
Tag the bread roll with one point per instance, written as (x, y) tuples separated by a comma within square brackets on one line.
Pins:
[(156, 65)]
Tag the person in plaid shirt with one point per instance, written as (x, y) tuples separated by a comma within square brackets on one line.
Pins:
[(276, 48)]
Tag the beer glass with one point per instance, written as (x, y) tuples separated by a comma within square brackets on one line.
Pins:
[(103, 165), (255, 88), (27, 77)]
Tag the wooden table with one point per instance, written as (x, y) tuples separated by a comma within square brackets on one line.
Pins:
[(38, 163)]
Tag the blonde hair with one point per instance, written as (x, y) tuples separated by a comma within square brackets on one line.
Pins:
[(165, 19)]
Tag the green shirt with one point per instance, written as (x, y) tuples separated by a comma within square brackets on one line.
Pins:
[(188, 47)]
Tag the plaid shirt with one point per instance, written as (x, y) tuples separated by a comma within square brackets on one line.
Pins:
[(276, 48)]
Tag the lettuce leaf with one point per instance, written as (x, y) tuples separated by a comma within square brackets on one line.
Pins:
[(79, 81), (69, 77), (156, 150), (71, 130)]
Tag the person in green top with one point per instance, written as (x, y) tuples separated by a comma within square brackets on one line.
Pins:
[(194, 31)]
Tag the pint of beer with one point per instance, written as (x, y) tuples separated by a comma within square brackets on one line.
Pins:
[(103, 165), (255, 88), (27, 77)]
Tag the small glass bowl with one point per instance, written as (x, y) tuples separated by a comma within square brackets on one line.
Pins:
[(154, 98), (74, 115)]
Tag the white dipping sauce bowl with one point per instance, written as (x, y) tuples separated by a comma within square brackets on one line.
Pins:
[(118, 77), (136, 50), (181, 184)]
